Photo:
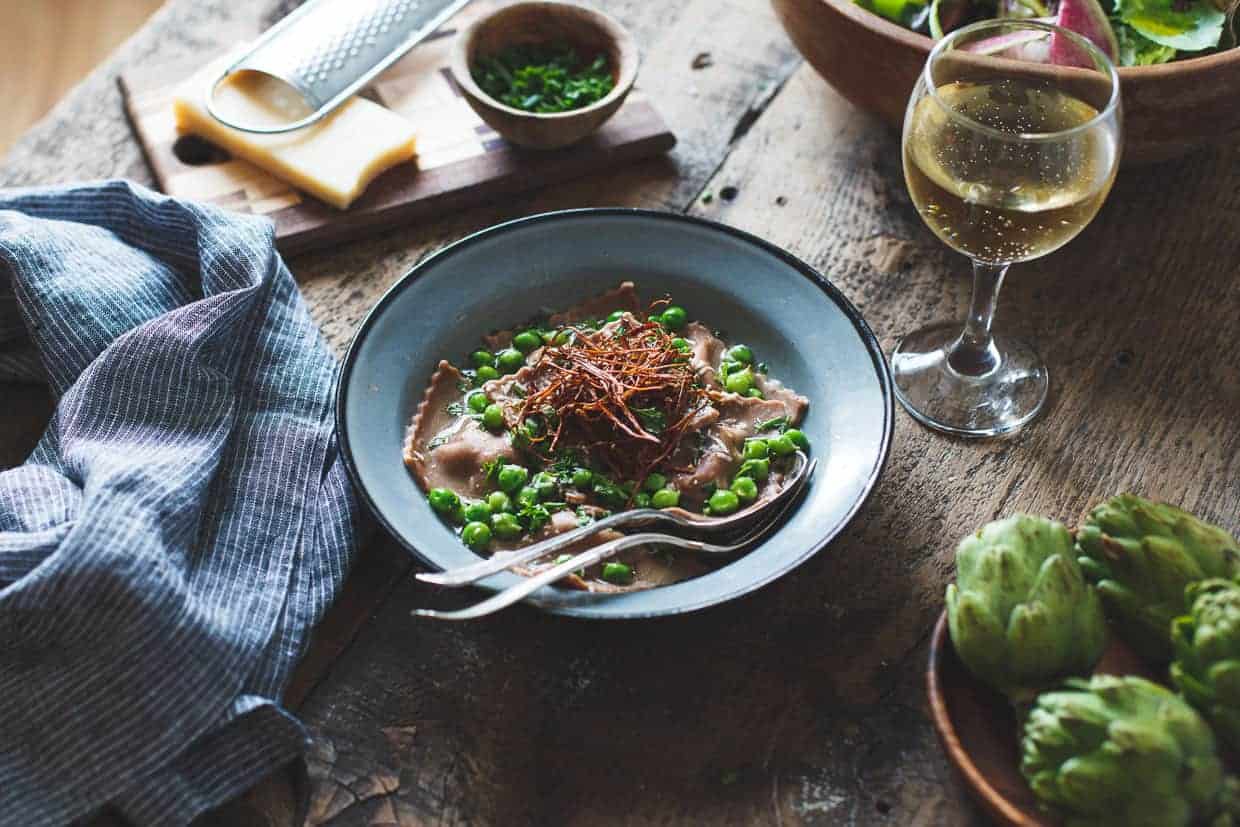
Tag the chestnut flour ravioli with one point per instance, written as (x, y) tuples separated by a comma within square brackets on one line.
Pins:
[(603, 407)]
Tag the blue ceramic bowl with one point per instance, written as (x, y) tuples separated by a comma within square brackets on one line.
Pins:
[(795, 320)]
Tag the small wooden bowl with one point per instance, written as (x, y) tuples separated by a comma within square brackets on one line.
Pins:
[(540, 22), (1169, 109), (979, 732)]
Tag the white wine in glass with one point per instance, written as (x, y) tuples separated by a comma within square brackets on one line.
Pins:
[(1006, 160)]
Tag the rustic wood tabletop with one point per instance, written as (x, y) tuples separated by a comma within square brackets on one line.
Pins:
[(801, 703)]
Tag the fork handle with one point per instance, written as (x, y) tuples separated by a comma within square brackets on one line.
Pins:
[(532, 584), (474, 572)]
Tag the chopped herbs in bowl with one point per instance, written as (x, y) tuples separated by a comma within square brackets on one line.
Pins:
[(544, 78), (545, 75)]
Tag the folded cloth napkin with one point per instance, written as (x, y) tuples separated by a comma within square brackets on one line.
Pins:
[(184, 521)]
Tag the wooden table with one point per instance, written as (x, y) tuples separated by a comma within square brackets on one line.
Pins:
[(802, 703)]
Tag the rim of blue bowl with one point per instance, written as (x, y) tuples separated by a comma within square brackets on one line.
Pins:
[(881, 368)]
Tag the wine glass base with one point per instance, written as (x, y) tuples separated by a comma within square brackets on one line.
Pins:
[(939, 397)]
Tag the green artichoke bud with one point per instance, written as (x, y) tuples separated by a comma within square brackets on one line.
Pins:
[(1124, 752), (1021, 614), (1206, 668), (1141, 555)]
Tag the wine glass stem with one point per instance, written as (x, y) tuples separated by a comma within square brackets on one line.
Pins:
[(974, 353)]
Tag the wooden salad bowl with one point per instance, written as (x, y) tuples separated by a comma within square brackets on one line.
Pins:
[(980, 734), (1169, 109)]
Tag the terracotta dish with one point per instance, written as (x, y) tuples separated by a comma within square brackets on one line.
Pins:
[(545, 22), (1169, 109), (979, 732)]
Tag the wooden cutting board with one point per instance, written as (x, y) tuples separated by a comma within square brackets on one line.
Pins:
[(461, 161)]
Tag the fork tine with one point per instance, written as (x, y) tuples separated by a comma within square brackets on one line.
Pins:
[(473, 572), (529, 585), (601, 552)]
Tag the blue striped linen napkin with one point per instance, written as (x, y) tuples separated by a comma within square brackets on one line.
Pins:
[(184, 521)]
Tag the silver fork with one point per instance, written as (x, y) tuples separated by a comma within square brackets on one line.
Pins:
[(638, 518), (771, 517)]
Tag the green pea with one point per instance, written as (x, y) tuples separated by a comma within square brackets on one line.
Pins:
[(755, 393), (745, 489), (512, 478), (615, 315), (797, 438), (527, 497), (533, 426), (723, 502), (477, 401), (739, 381), (563, 337), (485, 374), (741, 353), (477, 512), (781, 446), (510, 360), (482, 358), (617, 573), (499, 502), (476, 535), (545, 484), (506, 526), (758, 469), (654, 482), (493, 417), (665, 498), (682, 345), (443, 500), (674, 317), (527, 340), (755, 449), (641, 500), (582, 477), (458, 514)]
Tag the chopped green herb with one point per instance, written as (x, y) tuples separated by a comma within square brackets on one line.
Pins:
[(546, 78), (534, 517), (652, 419), (779, 422), (436, 441), (491, 469)]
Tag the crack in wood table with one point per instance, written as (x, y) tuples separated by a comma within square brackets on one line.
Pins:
[(804, 702)]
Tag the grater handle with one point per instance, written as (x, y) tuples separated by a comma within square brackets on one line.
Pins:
[(281, 60)]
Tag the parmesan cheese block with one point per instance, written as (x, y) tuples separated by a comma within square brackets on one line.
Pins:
[(333, 160)]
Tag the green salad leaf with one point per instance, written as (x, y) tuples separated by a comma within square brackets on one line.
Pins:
[(898, 11), (1135, 49), (1189, 26)]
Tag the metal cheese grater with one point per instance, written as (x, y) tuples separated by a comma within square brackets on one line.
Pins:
[(329, 49)]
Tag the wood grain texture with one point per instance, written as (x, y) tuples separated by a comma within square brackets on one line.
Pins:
[(804, 702)]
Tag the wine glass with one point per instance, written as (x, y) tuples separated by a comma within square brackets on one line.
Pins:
[(1007, 156)]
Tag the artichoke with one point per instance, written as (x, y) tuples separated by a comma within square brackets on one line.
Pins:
[(1020, 613), (1206, 668), (1141, 555), (1124, 752)]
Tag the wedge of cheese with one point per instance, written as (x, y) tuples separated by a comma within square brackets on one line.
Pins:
[(333, 160)]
